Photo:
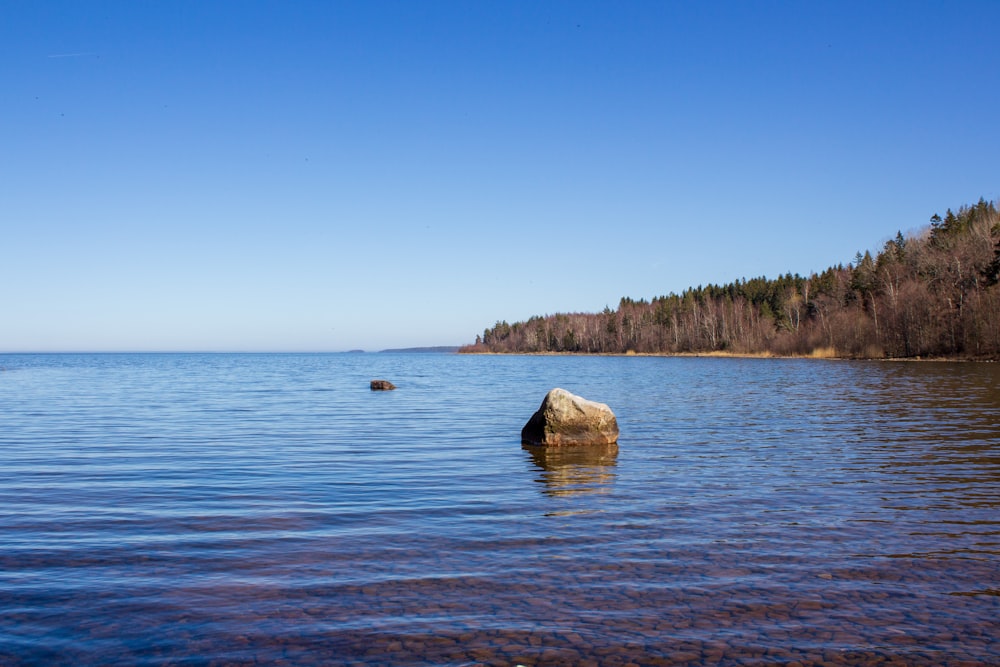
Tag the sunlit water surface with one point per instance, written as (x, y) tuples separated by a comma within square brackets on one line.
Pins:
[(271, 509)]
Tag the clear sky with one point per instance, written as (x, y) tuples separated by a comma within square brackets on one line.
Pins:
[(207, 175)]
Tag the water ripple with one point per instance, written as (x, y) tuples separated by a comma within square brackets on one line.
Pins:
[(238, 509)]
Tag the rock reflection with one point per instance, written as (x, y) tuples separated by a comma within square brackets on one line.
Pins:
[(580, 469)]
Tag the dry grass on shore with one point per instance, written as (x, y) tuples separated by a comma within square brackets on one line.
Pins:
[(828, 353)]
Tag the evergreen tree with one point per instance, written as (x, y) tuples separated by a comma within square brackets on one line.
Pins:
[(931, 294)]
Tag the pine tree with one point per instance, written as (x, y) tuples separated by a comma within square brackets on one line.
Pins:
[(992, 270)]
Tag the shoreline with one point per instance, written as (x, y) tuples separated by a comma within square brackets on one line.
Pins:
[(734, 355)]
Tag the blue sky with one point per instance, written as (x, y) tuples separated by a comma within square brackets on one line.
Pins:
[(192, 175)]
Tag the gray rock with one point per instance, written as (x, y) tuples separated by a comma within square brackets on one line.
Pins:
[(382, 385), (566, 419)]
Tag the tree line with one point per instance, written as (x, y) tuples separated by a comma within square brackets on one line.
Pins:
[(934, 293)]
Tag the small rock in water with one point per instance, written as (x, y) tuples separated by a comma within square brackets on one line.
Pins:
[(566, 419), (382, 385)]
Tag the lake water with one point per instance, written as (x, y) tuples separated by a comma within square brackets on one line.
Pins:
[(270, 509)]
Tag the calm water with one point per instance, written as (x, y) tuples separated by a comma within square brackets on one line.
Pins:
[(270, 509)]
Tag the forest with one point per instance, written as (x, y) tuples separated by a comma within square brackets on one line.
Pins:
[(933, 294)]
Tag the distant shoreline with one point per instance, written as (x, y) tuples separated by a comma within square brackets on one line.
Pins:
[(731, 355), (931, 295)]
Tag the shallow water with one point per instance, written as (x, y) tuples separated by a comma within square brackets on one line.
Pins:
[(245, 509)]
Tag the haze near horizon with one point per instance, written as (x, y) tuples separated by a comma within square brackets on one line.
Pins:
[(316, 176)]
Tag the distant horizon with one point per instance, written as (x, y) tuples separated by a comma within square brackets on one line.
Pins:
[(418, 349)]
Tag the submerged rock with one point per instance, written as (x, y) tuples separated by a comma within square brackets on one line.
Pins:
[(382, 385), (566, 419)]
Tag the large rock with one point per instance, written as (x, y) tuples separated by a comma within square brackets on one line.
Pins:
[(566, 419)]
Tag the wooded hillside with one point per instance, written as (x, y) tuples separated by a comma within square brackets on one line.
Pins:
[(934, 294)]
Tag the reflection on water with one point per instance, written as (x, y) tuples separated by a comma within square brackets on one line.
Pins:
[(568, 471)]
